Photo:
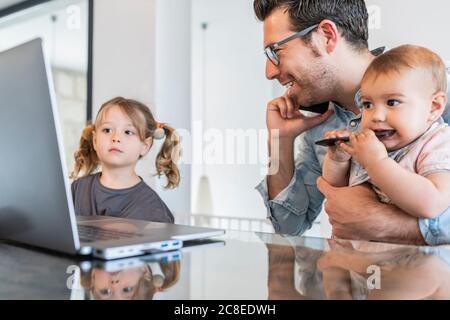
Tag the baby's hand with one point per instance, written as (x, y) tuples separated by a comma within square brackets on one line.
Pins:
[(365, 148), (335, 152)]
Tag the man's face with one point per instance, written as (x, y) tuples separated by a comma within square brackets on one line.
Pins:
[(304, 70)]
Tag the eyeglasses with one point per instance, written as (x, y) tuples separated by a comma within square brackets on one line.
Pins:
[(270, 50)]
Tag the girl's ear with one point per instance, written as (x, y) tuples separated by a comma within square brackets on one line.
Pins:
[(438, 105), (146, 145), (94, 141)]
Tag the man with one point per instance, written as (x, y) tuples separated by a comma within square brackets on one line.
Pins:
[(318, 49)]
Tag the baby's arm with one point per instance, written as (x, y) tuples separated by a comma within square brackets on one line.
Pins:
[(423, 197), (336, 173), (336, 165)]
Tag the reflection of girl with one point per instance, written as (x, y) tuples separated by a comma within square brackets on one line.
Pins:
[(133, 284)]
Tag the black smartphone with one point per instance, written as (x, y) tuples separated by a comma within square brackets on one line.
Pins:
[(331, 142), (317, 108)]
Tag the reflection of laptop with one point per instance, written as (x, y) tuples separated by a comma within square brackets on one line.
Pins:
[(35, 198), (118, 265)]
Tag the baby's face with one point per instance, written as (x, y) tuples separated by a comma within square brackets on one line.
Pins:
[(398, 104)]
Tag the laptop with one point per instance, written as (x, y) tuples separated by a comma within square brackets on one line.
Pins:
[(36, 205)]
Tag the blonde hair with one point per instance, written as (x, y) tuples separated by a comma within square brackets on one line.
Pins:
[(87, 161), (410, 57)]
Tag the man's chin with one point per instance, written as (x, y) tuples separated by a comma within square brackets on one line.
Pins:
[(297, 96), (306, 102)]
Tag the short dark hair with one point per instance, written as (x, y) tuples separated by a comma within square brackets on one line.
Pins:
[(350, 16)]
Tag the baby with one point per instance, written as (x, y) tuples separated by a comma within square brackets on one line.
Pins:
[(403, 149)]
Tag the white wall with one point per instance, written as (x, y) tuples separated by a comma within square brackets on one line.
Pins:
[(124, 50), (235, 95), (418, 22), (173, 86)]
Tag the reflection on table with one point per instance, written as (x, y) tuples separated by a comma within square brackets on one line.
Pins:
[(342, 269), (242, 265)]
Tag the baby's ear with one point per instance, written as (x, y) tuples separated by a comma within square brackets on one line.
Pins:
[(438, 105)]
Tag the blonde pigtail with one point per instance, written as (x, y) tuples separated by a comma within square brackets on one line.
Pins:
[(166, 160), (86, 160)]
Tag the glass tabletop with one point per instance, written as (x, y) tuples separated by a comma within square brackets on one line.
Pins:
[(239, 265)]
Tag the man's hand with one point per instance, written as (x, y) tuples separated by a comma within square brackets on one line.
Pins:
[(285, 123), (356, 213), (284, 114)]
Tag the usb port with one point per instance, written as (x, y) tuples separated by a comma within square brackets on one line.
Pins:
[(165, 244), (175, 243)]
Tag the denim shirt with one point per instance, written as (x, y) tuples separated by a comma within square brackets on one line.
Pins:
[(295, 208)]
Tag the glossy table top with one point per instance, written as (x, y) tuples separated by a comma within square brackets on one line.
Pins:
[(243, 265)]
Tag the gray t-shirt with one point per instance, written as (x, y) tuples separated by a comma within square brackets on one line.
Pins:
[(140, 202)]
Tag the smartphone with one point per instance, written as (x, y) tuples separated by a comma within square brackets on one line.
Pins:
[(317, 108), (331, 142)]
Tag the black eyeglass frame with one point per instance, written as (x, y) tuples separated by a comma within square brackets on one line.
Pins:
[(269, 51)]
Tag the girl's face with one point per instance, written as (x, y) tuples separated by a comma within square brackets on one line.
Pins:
[(116, 140), (121, 285), (400, 105)]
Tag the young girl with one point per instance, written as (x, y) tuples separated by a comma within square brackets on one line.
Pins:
[(122, 134), (404, 147)]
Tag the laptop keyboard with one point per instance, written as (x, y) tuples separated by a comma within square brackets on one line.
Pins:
[(92, 233)]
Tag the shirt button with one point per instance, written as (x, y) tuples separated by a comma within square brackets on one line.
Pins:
[(352, 124)]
